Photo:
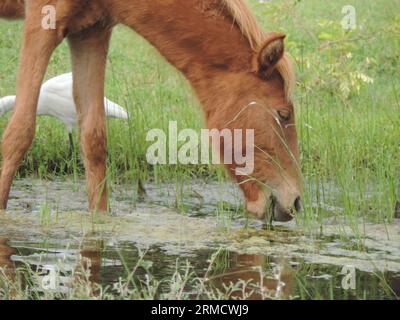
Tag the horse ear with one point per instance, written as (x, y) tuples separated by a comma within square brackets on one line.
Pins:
[(269, 54)]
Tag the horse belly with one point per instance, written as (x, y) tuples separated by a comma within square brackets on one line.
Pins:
[(12, 9)]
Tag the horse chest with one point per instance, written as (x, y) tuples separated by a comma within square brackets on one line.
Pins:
[(74, 17)]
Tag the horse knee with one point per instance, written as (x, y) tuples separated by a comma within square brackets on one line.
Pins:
[(94, 143), (16, 141)]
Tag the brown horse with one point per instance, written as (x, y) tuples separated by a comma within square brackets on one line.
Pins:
[(241, 76)]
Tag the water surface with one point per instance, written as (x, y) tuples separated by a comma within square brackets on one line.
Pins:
[(47, 228)]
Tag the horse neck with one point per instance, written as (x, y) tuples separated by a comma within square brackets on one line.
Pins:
[(196, 36)]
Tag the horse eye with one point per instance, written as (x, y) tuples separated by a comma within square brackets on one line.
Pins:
[(284, 115)]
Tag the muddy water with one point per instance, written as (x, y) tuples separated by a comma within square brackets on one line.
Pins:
[(46, 227)]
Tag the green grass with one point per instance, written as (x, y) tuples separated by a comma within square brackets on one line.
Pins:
[(349, 125)]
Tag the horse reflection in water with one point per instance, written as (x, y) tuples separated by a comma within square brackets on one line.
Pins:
[(6, 264), (55, 271), (255, 282), (58, 270), (255, 277)]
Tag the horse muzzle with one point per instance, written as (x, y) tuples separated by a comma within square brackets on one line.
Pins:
[(285, 213)]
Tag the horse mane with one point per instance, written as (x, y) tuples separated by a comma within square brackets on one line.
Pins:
[(245, 20), (286, 70)]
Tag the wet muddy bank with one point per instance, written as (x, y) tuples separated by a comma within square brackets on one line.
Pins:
[(46, 222)]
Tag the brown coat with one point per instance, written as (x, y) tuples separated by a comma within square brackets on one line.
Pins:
[(242, 78)]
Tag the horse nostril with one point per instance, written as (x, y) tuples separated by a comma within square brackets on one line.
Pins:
[(297, 204)]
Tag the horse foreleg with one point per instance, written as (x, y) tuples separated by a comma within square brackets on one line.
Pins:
[(38, 45), (89, 53)]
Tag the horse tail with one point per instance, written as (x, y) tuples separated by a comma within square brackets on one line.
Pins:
[(114, 110)]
